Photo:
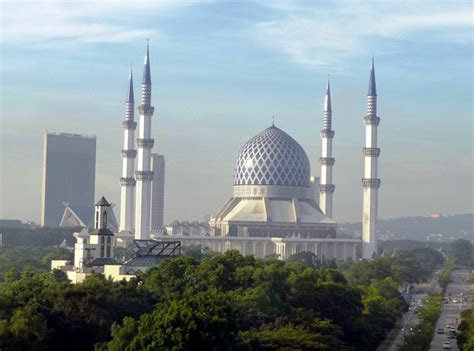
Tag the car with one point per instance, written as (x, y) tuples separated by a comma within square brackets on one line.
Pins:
[(446, 345), (455, 300), (440, 331)]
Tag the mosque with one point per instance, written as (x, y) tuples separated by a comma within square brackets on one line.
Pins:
[(277, 207)]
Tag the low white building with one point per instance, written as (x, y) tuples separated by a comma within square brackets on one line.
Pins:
[(94, 251)]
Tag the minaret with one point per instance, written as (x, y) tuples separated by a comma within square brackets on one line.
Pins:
[(326, 188), (127, 181), (370, 182), (144, 174)]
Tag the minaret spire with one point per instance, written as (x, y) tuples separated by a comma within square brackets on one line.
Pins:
[(130, 95), (144, 174), (127, 181), (326, 188), (370, 182), (146, 67), (372, 86)]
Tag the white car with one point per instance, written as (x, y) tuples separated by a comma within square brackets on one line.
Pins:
[(446, 345)]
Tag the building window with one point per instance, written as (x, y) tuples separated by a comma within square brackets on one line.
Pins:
[(104, 220), (102, 246), (108, 246), (97, 219)]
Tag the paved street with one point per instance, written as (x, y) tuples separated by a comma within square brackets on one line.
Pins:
[(456, 291), (410, 319)]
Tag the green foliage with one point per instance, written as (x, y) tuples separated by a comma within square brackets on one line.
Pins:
[(406, 268), (45, 311), (462, 250), (444, 276), (43, 236), (465, 338), (224, 302), (36, 258), (421, 338), (197, 252)]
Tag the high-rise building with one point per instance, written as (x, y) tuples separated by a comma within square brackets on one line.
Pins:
[(68, 176), (370, 182), (157, 192)]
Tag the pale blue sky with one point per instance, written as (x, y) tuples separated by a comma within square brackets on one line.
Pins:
[(220, 70)]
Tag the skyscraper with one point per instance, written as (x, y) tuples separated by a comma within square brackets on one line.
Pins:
[(370, 182), (157, 191), (68, 176)]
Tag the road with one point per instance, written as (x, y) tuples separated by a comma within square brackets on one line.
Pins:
[(410, 319), (457, 290)]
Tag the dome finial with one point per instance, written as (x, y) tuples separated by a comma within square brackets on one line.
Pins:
[(273, 121)]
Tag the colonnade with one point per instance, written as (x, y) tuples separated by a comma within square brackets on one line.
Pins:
[(340, 249)]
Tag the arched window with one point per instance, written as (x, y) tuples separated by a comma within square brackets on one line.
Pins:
[(97, 219), (104, 220)]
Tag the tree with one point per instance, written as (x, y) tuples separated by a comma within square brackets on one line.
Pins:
[(202, 321), (461, 250), (306, 258)]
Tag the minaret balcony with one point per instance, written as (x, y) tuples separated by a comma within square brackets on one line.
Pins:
[(371, 120), (373, 183), (371, 151), (327, 161), (129, 124), (327, 188), (129, 153), (144, 175), (327, 133), (146, 110), (127, 181), (145, 143)]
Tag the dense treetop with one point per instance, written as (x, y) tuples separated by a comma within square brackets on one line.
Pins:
[(222, 302)]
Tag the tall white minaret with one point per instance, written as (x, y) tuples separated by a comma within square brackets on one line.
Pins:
[(370, 182), (144, 174), (127, 181), (326, 188)]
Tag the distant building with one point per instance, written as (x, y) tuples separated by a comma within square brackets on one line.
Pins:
[(436, 215), (185, 228), (157, 192), (68, 176)]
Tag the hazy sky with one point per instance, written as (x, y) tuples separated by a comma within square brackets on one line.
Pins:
[(220, 71)]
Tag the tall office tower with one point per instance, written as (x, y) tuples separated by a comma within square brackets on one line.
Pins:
[(127, 181), (68, 177), (157, 192), (144, 174), (370, 182), (326, 188)]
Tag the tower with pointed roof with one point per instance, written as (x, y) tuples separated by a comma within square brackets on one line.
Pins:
[(127, 181), (144, 174), (326, 187), (370, 182)]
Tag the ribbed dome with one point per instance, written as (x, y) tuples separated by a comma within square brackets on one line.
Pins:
[(272, 157)]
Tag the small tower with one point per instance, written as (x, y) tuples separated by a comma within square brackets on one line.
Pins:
[(144, 174), (127, 181), (370, 182), (101, 235), (326, 187)]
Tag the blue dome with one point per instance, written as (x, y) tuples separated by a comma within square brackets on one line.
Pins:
[(272, 157)]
